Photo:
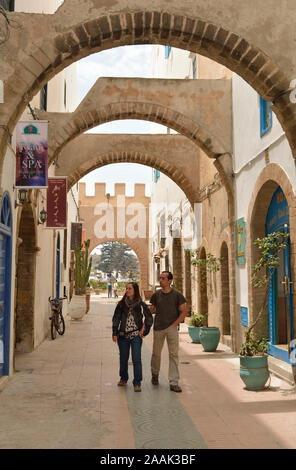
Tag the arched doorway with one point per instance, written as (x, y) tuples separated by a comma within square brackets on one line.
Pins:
[(58, 265), (225, 301), (188, 288), (5, 282), (202, 280), (280, 302), (177, 263), (25, 282)]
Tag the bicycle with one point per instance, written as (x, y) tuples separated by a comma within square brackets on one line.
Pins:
[(57, 323)]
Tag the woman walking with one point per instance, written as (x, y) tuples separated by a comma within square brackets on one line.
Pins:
[(131, 321)]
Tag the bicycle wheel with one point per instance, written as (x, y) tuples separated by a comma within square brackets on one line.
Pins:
[(53, 327), (60, 326)]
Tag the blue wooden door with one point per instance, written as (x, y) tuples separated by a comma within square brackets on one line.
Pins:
[(280, 305), (5, 282)]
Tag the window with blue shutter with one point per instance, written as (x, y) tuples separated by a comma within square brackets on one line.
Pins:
[(265, 116), (167, 52)]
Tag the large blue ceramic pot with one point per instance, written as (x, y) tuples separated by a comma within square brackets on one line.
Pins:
[(194, 332), (254, 371), (209, 338)]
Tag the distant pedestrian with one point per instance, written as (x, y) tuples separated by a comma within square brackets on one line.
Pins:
[(109, 287), (131, 321), (169, 305), (115, 287)]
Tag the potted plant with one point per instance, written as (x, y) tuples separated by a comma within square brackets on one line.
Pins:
[(253, 358), (80, 303), (195, 323), (209, 335)]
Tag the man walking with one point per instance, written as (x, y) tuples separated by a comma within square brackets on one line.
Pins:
[(169, 305)]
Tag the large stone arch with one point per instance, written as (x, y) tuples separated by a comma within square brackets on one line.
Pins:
[(227, 32), (269, 179), (199, 109), (137, 248), (167, 153)]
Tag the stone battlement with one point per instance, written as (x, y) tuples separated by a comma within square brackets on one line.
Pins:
[(119, 190)]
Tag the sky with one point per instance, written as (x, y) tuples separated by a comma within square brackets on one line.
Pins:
[(126, 61)]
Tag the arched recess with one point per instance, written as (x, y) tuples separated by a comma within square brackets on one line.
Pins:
[(225, 292), (70, 35), (178, 263), (25, 281), (171, 171), (203, 284), (267, 183), (142, 257), (5, 281)]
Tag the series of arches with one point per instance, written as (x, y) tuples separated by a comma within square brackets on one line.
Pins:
[(46, 45)]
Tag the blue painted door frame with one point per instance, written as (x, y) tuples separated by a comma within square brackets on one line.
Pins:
[(278, 220), (5, 281), (58, 265)]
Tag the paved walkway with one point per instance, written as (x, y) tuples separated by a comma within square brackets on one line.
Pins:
[(64, 396)]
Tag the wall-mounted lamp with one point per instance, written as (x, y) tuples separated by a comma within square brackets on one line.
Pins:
[(42, 217), (108, 197), (22, 195)]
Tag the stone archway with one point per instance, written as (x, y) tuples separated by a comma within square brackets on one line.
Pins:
[(268, 181), (143, 262), (220, 32), (25, 281), (167, 153)]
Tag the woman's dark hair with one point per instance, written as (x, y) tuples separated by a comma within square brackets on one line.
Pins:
[(137, 295)]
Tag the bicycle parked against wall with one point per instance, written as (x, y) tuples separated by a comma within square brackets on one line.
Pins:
[(57, 322)]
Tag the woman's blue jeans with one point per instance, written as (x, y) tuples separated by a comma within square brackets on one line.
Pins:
[(124, 345)]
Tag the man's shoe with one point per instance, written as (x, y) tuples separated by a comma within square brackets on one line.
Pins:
[(137, 388), (175, 388), (121, 383), (154, 379)]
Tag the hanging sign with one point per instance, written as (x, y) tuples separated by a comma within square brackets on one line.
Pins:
[(31, 154), (76, 234), (240, 241), (57, 202)]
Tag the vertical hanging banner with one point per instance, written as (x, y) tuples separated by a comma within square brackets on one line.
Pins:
[(31, 154), (76, 234), (57, 202)]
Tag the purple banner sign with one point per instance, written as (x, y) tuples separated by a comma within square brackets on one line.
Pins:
[(31, 154)]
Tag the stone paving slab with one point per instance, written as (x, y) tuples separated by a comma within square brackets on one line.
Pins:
[(65, 396)]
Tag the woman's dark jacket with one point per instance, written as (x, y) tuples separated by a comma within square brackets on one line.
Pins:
[(120, 317)]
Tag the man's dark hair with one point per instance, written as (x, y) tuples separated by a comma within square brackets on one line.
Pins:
[(170, 275)]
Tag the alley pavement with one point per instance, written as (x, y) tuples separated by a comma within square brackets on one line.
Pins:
[(64, 395)]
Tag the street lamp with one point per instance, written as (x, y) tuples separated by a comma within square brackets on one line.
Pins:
[(42, 217), (22, 195)]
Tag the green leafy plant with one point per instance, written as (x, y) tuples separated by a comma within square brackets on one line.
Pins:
[(210, 264), (198, 319), (270, 248), (82, 268)]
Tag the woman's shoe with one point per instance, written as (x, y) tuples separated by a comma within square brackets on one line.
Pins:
[(137, 388), (121, 383)]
